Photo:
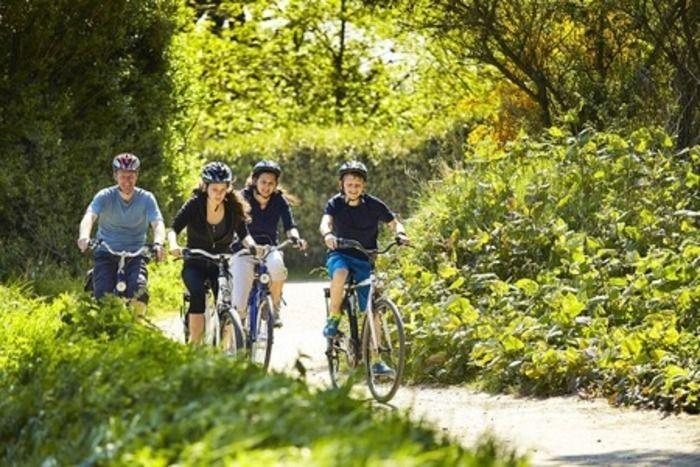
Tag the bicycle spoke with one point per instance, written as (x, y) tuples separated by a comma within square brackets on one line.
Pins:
[(385, 362), (230, 334), (261, 342)]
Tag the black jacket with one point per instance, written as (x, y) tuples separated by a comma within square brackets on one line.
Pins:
[(201, 234)]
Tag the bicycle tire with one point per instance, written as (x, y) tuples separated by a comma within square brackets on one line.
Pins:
[(341, 353), (392, 350), (261, 346), (231, 337), (184, 317)]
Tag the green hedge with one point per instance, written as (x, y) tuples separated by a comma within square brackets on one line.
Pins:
[(86, 385), (79, 82), (398, 163), (567, 264)]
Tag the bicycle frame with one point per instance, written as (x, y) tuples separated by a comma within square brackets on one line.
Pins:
[(261, 287), (223, 297), (371, 281), (120, 285), (362, 346)]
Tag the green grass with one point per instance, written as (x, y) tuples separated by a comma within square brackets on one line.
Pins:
[(84, 384)]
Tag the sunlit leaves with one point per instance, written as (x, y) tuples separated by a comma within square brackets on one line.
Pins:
[(600, 291)]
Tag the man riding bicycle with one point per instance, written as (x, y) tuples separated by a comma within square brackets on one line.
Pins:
[(125, 212), (353, 214), (269, 205), (215, 216)]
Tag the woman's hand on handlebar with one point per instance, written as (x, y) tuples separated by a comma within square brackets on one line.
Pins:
[(299, 243)]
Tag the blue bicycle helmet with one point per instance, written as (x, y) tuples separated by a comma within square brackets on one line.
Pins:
[(217, 172)]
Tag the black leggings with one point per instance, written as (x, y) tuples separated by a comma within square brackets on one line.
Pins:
[(194, 273)]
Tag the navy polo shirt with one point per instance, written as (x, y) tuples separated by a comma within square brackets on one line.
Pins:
[(359, 222), (265, 222)]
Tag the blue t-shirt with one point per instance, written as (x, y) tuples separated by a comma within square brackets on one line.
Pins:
[(264, 222), (359, 222), (124, 225)]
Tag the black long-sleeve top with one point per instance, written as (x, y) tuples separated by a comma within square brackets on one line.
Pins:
[(201, 234)]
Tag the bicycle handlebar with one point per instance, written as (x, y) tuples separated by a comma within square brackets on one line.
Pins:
[(190, 253), (143, 251), (350, 244), (270, 248)]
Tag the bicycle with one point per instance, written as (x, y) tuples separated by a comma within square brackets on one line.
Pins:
[(259, 322), (120, 285), (222, 325), (347, 351)]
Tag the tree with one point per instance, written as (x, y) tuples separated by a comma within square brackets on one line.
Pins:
[(79, 82), (588, 62)]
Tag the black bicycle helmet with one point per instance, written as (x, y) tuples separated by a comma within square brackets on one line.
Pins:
[(353, 167), (126, 161), (267, 166), (217, 172)]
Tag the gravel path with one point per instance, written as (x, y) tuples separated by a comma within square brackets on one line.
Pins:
[(555, 431)]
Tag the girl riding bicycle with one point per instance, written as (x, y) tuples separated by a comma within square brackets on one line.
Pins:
[(269, 205), (355, 215), (215, 217)]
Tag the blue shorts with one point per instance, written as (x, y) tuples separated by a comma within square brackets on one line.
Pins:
[(359, 269)]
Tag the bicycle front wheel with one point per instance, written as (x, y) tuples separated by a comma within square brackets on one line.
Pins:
[(261, 342), (385, 363), (231, 340)]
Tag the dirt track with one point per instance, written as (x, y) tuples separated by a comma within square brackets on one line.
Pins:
[(555, 431)]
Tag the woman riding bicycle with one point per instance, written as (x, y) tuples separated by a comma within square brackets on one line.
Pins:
[(353, 214), (269, 205), (215, 217)]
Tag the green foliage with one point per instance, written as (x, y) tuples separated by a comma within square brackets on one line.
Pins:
[(604, 63), (310, 156), (125, 395), (79, 82), (567, 264)]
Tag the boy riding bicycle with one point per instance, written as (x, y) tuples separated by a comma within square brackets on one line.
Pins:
[(353, 214)]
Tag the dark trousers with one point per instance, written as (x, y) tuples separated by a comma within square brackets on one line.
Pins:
[(104, 276), (194, 274)]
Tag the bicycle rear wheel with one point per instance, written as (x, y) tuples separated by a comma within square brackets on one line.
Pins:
[(343, 355), (391, 350), (261, 343), (231, 340)]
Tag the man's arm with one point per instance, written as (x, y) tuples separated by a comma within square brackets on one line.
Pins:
[(85, 229), (326, 229), (158, 238)]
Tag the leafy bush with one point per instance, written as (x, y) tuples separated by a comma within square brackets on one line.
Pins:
[(79, 82), (398, 164), (568, 264), (84, 384)]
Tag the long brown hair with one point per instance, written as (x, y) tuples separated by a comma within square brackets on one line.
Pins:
[(241, 208), (293, 200)]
